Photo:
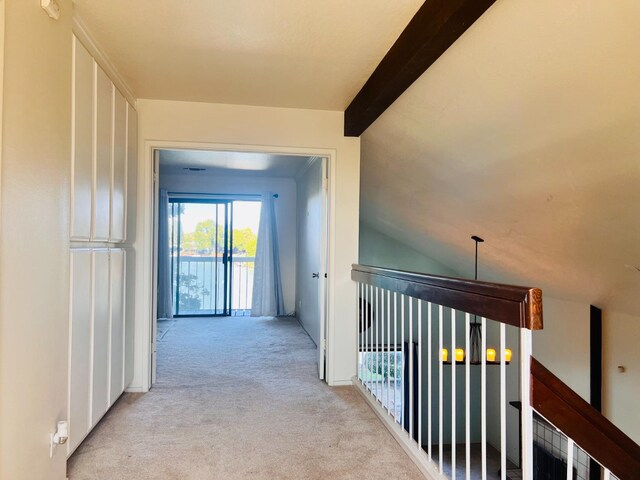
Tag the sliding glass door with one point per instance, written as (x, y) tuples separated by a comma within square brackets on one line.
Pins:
[(201, 256)]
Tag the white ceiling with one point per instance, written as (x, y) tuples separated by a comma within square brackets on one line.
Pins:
[(525, 132), (284, 53), (177, 162)]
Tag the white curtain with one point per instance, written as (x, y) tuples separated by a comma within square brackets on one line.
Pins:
[(267, 282), (165, 299)]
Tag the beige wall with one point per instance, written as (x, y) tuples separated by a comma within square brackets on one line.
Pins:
[(163, 123), (620, 334), (34, 277)]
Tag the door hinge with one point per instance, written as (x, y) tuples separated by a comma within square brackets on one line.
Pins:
[(324, 344)]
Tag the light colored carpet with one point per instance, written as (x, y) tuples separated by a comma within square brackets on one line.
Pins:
[(239, 398)]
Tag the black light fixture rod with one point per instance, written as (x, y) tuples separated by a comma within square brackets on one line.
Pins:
[(476, 239)]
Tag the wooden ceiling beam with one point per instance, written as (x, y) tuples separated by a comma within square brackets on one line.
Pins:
[(433, 29)]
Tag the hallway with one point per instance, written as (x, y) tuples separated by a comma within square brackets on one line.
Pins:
[(239, 398)]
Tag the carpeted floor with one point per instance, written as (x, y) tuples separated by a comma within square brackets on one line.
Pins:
[(239, 398)]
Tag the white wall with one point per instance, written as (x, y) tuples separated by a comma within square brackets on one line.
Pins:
[(621, 390), (285, 212), (380, 250), (34, 239), (563, 344), (309, 215), (310, 132)]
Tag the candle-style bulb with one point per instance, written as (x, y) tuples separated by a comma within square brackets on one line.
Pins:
[(507, 355), (445, 354), (491, 355)]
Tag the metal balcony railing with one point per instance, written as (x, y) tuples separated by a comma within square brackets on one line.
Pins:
[(203, 286)]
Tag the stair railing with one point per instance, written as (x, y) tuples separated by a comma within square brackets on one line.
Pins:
[(440, 359)]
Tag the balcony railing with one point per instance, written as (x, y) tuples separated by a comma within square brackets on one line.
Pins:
[(200, 287)]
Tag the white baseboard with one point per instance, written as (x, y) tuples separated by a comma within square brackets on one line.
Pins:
[(426, 466), (340, 383), (136, 389)]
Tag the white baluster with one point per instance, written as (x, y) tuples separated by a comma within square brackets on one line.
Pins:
[(440, 390), (503, 405), (453, 394), (569, 459), (389, 352), (526, 429), (429, 393), (419, 373), (360, 332), (467, 395), (607, 474), (377, 344), (402, 379), (411, 367), (366, 336), (483, 401), (381, 347), (395, 356), (371, 329)]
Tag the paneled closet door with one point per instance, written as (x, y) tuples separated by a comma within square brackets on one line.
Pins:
[(82, 161), (129, 305), (132, 173), (104, 143), (101, 339), (117, 273), (80, 357), (119, 168)]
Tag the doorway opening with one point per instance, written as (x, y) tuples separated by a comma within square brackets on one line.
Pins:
[(212, 248), (235, 233)]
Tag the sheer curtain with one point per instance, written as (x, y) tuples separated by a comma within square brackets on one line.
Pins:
[(165, 300), (267, 282)]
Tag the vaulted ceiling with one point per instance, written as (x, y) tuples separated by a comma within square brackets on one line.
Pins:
[(527, 133), (301, 54)]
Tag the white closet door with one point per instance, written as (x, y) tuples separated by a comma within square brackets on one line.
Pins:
[(80, 356), (129, 327), (119, 168), (117, 324), (100, 337), (82, 161), (132, 173), (103, 144)]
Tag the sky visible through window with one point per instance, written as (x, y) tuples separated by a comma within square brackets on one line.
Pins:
[(245, 215)]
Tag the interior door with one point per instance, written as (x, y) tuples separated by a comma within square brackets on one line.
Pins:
[(313, 259), (154, 275), (324, 256)]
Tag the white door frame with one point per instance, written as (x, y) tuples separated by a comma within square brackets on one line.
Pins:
[(146, 310)]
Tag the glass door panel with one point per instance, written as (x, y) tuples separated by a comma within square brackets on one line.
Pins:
[(200, 250)]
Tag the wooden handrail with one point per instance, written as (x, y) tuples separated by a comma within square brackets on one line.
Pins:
[(517, 306), (581, 422)]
